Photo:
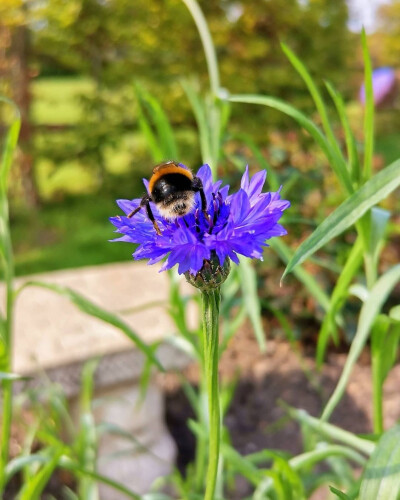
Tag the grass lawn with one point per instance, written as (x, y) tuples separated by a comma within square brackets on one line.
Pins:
[(56, 100), (70, 234)]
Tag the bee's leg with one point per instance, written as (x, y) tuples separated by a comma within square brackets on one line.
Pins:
[(197, 186), (151, 217), (143, 202)]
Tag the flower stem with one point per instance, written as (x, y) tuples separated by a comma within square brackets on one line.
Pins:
[(211, 300), (201, 442)]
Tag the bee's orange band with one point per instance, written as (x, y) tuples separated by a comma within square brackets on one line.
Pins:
[(168, 168)]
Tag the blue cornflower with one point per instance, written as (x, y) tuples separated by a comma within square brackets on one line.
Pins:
[(239, 223)]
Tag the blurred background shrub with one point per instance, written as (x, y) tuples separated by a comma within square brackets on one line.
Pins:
[(74, 67)]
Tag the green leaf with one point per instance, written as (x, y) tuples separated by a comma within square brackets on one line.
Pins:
[(385, 336), (323, 452), (86, 445), (369, 311), (68, 494), (331, 431), (200, 114), (369, 110), (351, 145), (241, 465), (379, 222), (12, 376), (208, 45), (308, 125), (17, 464), (349, 212), (10, 144), (381, 478), (284, 478), (339, 493), (149, 135), (319, 103), (92, 309), (156, 496), (248, 283), (68, 464), (338, 297), (167, 149), (33, 489)]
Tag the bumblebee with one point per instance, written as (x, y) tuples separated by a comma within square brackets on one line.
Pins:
[(172, 188)]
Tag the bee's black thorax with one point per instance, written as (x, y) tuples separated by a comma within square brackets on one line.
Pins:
[(170, 187)]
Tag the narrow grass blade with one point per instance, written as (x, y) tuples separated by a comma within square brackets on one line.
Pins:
[(165, 135), (241, 465), (369, 311), (324, 451), (200, 115), (156, 496), (319, 103), (331, 154), (92, 309), (68, 464), (87, 437), (339, 494), (369, 110), (248, 284), (349, 212), (351, 145), (379, 221), (208, 46), (33, 489), (9, 144), (149, 134), (332, 431), (12, 376), (17, 464), (289, 480), (338, 297), (381, 478)]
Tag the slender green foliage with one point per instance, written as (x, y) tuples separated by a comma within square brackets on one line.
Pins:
[(7, 265), (348, 213), (369, 110), (381, 476), (369, 311)]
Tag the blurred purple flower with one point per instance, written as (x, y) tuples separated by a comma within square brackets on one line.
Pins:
[(383, 84), (238, 224)]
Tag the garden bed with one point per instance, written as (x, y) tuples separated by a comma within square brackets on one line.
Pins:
[(255, 419)]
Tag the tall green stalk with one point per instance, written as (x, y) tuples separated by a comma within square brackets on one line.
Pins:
[(7, 265), (8, 269), (210, 302)]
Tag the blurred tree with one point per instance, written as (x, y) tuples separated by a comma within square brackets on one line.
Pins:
[(389, 33), (118, 42), (15, 82)]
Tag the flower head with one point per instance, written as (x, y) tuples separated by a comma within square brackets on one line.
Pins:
[(239, 223)]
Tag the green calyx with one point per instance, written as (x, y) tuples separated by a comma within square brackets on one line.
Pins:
[(211, 275)]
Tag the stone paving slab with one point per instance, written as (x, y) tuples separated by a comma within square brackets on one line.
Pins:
[(50, 331)]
